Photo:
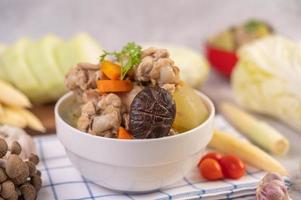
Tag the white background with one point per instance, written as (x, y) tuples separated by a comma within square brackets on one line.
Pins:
[(114, 22), (186, 22)]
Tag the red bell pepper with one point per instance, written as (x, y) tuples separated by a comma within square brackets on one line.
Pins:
[(223, 61)]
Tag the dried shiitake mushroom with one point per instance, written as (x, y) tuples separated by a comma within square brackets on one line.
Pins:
[(7, 189), (16, 167), (152, 113), (19, 179), (28, 191), (3, 176), (15, 148), (3, 147), (34, 158)]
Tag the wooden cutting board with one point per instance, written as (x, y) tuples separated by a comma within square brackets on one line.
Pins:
[(46, 114)]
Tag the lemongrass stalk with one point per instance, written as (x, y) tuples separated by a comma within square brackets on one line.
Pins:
[(228, 144), (259, 132), (32, 121), (11, 96)]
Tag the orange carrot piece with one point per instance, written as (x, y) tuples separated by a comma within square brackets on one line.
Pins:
[(124, 134), (114, 86), (111, 70)]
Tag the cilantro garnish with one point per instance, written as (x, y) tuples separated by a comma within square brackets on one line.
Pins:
[(128, 57)]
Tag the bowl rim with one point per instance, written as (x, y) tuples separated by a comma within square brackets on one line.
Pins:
[(208, 102)]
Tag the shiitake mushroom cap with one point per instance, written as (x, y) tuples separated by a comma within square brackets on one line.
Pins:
[(31, 167), (152, 113), (28, 191), (3, 147), (7, 189), (18, 176), (34, 158), (16, 167), (15, 148), (3, 176)]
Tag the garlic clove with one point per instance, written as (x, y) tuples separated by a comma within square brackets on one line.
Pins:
[(272, 176), (272, 187)]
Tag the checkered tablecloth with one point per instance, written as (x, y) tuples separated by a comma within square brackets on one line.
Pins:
[(62, 181)]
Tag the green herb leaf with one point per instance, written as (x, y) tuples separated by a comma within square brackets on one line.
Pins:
[(252, 25), (128, 57)]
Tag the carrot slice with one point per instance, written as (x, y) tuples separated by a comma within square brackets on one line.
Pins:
[(124, 134), (114, 86), (111, 70)]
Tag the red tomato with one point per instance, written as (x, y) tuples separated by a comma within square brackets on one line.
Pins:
[(214, 155), (211, 169), (232, 167)]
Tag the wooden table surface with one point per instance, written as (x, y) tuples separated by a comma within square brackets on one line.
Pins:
[(46, 114)]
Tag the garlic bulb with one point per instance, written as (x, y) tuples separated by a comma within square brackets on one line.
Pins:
[(272, 187)]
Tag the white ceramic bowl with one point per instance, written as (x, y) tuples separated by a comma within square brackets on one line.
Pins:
[(133, 165)]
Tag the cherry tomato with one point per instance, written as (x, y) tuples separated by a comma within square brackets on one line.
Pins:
[(232, 167), (211, 169), (214, 155)]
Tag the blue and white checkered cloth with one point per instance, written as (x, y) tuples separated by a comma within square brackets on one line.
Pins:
[(62, 181)]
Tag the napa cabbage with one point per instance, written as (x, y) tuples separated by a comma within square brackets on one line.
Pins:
[(267, 78)]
